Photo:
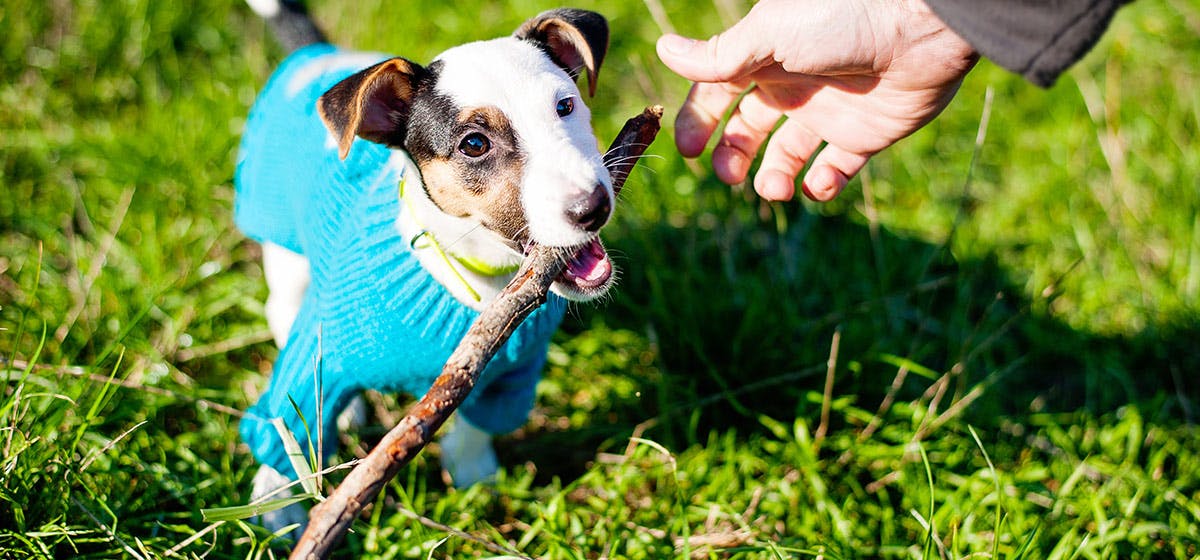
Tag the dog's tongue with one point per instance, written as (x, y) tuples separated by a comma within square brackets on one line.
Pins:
[(589, 268)]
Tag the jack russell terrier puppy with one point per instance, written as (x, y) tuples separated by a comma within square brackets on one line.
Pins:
[(379, 254)]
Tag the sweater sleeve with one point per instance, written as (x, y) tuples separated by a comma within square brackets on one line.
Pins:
[(1038, 39)]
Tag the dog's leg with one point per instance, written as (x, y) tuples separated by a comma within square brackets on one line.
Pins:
[(288, 277), (266, 481), (355, 415), (467, 453)]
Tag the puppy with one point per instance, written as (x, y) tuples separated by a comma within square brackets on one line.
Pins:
[(379, 253)]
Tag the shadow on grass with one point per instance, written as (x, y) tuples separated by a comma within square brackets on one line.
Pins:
[(723, 317)]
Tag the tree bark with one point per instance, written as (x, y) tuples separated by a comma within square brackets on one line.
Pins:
[(330, 519)]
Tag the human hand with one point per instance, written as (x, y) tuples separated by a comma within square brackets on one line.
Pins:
[(856, 74)]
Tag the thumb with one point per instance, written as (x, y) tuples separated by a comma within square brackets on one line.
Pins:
[(727, 57)]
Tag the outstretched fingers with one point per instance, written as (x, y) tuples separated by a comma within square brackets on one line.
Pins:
[(746, 130), (722, 68), (790, 148)]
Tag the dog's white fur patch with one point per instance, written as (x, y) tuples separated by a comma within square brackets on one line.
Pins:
[(269, 484), (467, 453), (265, 8), (563, 163), (288, 276)]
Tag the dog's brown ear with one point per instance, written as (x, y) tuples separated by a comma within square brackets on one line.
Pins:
[(574, 39), (373, 104)]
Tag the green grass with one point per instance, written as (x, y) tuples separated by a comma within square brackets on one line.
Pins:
[(1016, 370)]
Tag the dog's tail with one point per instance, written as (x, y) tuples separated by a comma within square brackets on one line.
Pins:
[(289, 22)]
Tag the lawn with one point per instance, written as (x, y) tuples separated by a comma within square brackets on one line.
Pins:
[(986, 347)]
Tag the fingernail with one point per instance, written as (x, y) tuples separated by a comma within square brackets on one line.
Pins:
[(674, 44), (774, 185), (824, 184)]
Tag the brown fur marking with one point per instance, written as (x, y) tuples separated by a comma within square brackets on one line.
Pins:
[(486, 188)]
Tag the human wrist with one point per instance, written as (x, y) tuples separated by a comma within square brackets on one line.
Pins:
[(930, 22), (926, 32)]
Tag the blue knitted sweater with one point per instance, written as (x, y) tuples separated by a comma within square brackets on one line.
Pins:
[(372, 318)]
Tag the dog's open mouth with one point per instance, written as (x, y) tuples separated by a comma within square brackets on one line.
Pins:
[(588, 272), (589, 269)]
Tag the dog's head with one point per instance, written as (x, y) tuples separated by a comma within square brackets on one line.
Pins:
[(501, 135)]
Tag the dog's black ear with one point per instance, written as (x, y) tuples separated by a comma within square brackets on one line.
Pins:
[(373, 104), (574, 39)]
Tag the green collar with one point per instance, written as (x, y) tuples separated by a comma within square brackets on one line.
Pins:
[(478, 266)]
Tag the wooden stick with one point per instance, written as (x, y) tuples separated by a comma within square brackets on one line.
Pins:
[(330, 519)]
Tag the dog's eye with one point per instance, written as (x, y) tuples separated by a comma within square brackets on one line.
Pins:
[(565, 106), (474, 145)]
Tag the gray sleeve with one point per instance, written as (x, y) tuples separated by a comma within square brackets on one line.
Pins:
[(1037, 39)]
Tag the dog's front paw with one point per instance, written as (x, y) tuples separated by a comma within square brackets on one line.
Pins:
[(355, 415), (269, 484), (467, 454)]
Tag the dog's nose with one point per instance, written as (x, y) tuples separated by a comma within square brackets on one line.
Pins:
[(591, 212)]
